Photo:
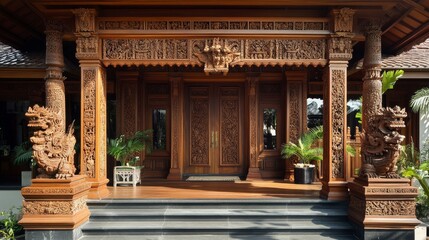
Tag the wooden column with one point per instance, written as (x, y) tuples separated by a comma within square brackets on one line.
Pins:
[(252, 101), (93, 104), (176, 164), (54, 84), (296, 114), (334, 182)]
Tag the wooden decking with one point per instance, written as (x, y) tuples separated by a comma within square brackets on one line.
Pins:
[(216, 190)]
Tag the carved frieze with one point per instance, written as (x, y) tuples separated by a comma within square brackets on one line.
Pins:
[(213, 25), (214, 54), (338, 128), (89, 134), (35, 207)]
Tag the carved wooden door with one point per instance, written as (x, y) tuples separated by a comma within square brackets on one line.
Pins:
[(214, 129)]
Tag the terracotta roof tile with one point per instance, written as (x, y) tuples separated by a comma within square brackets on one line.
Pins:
[(14, 58), (416, 58)]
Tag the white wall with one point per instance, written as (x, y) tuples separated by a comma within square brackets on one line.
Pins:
[(10, 198)]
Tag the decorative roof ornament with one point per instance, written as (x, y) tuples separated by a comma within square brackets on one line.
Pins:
[(217, 57)]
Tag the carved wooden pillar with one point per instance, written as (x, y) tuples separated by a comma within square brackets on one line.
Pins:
[(54, 85), (335, 107), (381, 207), (252, 98), (93, 104), (176, 164), (296, 114), (371, 94)]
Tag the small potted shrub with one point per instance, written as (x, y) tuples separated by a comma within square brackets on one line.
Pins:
[(125, 150), (305, 152)]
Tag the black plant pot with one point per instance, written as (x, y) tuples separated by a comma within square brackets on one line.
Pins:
[(304, 175)]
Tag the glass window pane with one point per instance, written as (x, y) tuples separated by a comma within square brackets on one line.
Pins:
[(159, 126), (270, 125)]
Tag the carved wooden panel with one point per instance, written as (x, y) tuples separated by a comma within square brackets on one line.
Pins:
[(230, 126), (338, 127), (111, 25), (128, 107), (88, 122), (199, 126)]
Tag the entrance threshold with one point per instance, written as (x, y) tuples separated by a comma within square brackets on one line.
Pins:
[(163, 189)]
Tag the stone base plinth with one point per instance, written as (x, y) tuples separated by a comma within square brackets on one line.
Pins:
[(55, 204), (98, 189), (381, 205)]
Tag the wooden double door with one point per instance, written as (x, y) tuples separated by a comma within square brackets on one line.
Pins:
[(214, 129)]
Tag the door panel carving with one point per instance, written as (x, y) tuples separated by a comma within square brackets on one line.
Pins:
[(230, 127), (214, 119), (199, 131)]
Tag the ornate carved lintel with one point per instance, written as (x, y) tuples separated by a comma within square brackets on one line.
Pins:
[(217, 57)]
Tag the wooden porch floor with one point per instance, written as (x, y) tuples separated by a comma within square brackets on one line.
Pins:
[(216, 190)]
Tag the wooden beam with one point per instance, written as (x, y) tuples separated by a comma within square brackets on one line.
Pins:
[(21, 24), (420, 33), (11, 39), (417, 7)]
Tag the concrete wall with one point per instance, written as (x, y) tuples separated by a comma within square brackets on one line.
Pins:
[(10, 198)]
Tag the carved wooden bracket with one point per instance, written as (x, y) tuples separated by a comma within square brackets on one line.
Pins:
[(217, 57)]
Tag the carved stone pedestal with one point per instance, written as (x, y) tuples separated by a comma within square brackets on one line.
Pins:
[(383, 208), (55, 208)]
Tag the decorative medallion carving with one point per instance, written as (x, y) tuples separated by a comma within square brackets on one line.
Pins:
[(199, 130), (381, 143), (105, 25), (53, 148), (343, 20), (230, 129), (88, 131), (217, 56), (54, 207), (85, 21), (338, 128), (340, 48)]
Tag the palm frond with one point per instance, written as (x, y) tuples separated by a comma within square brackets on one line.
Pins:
[(420, 101), (23, 153), (389, 79)]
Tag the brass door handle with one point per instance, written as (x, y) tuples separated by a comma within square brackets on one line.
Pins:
[(213, 140), (216, 140)]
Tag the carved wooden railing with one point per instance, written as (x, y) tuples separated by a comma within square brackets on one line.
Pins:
[(353, 162)]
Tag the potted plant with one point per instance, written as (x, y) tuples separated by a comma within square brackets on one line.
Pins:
[(305, 152), (23, 155), (125, 150)]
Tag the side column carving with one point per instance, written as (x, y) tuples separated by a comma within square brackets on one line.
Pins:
[(334, 185), (176, 93), (54, 84), (252, 95), (93, 104)]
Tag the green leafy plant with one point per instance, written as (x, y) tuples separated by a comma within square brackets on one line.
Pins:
[(23, 154), (124, 149), (421, 174), (9, 226), (408, 157), (388, 81), (304, 150), (420, 101)]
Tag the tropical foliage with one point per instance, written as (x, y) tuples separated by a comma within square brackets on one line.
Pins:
[(420, 101), (305, 150), (420, 173), (9, 226), (125, 149), (23, 154)]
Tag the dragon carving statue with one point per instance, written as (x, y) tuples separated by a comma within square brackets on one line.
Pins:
[(53, 148), (381, 143)]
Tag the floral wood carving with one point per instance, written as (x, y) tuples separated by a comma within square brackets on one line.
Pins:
[(381, 143), (53, 148), (54, 207), (340, 48), (230, 126), (338, 127), (199, 129), (88, 138), (218, 56)]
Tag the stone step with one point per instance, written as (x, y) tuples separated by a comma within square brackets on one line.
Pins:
[(221, 237)]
